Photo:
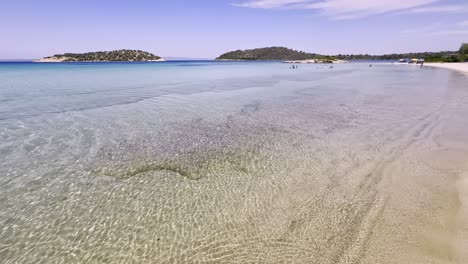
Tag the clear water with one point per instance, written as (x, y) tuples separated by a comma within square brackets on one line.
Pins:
[(230, 162)]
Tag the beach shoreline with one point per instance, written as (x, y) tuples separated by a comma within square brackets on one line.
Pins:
[(457, 66)]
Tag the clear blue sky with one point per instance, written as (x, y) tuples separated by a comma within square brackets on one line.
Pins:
[(207, 28)]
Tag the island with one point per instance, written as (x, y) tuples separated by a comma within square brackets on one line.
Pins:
[(123, 55), (276, 54)]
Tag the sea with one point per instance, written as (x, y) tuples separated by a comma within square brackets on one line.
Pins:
[(232, 162)]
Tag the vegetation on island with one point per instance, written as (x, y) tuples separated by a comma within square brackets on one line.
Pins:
[(116, 55), (271, 53), (282, 53)]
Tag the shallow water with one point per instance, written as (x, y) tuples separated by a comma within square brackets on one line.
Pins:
[(222, 162)]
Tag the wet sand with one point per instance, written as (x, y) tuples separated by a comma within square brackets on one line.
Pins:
[(462, 67)]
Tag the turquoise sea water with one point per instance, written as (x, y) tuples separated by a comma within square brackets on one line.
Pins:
[(228, 162)]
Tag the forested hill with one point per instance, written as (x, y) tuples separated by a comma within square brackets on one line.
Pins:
[(272, 53), (101, 56), (282, 53)]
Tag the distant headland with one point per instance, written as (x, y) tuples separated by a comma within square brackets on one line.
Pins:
[(286, 54), (123, 55), (271, 53)]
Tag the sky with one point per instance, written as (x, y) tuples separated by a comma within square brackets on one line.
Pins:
[(32, 29)]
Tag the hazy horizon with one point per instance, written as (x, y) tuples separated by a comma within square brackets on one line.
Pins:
[(206, 29), (213, 58)]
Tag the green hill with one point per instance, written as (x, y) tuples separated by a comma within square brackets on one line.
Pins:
[(282, 54), (272, 53), (102, 56)]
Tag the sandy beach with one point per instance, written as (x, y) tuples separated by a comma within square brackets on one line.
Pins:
[(462, 67)]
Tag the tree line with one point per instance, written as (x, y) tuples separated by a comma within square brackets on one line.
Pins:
[(115, 55)]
